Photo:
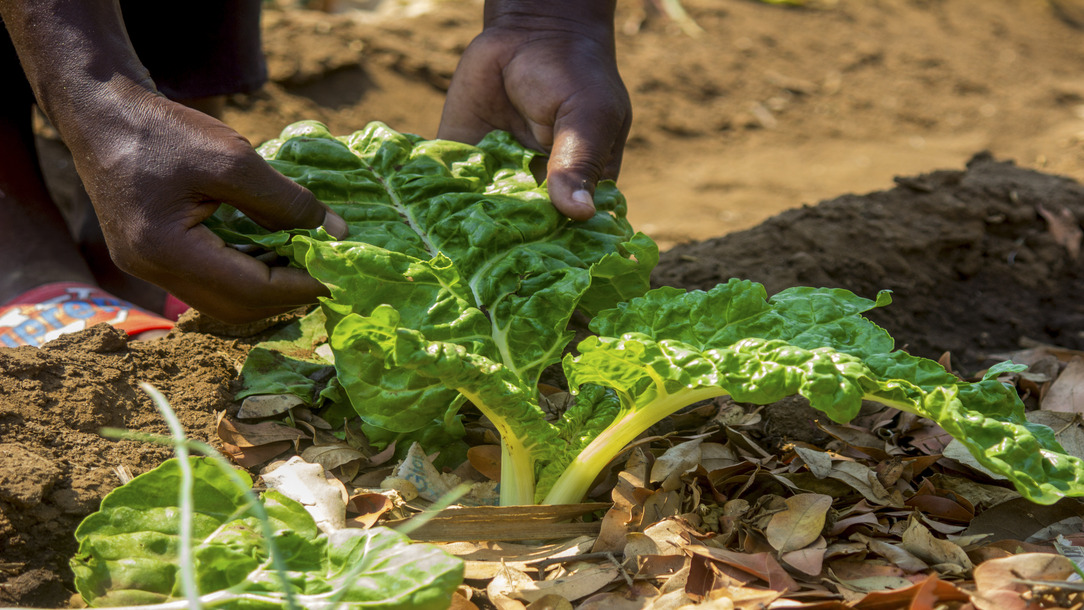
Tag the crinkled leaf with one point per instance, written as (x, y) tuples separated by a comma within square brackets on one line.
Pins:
[(129, 550), (671, 348)]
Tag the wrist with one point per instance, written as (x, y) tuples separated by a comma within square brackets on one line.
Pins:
[(593, 18)]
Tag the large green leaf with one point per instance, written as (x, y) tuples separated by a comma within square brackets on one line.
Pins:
[(463, 244), (129, 551), (671, 348)]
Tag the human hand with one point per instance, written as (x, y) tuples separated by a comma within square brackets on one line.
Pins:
[(157, 170), (551, 79)]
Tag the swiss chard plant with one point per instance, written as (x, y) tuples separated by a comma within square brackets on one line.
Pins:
[(458, 281)]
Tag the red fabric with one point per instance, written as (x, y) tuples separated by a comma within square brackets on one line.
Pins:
[(174, 307), (46, 312)]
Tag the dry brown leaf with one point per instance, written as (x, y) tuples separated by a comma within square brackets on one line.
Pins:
[(486, 459), (818, 462), (254, 435), (929, 594), (998, 585), (857, 438), (864, 575), (506, 583), (251, 457), (867, 520), (1066, 393), (611, 537), (941, 503), (550, 602), (800, 524), (660, 567), (676, 461), (863, 479), (577, 584), (808, 560), (741, 598), (714, 456), (895, 554), (461, 601), (332, 455), (639, 596), (943, 555), (267, 405), (759, 565), (367, 508)]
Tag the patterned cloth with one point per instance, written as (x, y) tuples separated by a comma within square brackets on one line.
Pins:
[(46, 312)]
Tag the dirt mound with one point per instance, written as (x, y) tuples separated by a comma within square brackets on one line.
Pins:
[(55, 466), (975, 265)]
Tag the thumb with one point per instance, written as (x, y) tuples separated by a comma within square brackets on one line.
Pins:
[(585, 150), (277, 203)]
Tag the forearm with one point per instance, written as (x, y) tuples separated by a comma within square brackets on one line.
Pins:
[(77, 58)]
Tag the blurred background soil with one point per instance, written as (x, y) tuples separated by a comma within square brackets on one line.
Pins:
[(767, 108), (742, 126)]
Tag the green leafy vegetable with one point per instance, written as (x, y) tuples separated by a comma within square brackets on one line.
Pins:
[(458, 279), (128, 551)]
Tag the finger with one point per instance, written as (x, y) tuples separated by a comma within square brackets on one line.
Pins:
[(231, 286), (617, 153), (583, 153), (277, 203)]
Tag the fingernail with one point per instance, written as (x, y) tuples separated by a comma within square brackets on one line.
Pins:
[(335, 225), (584, 198)]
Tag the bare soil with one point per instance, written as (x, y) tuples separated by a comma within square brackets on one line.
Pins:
[(739, 131)]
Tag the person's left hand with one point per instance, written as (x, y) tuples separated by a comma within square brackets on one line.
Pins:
[(556, 90)]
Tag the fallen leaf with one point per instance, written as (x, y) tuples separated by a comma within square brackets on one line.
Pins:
[(486, 459), (863, 479), (332, 456), (367, 508), (901, 557), (639, 596), (818, 462), (254, 435), (251, 457), (611, 537), (926, 595), (504, 585), (461, 602), (800, 524), (576, 585), (808, 560), (260, 406), (941, 554), (1066, 393), (941, 503), (997, 582), (550, 601), (760, 565), (676, 461), (865, 575)]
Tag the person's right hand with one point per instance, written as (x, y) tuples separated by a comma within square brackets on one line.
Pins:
[(156, 170)]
